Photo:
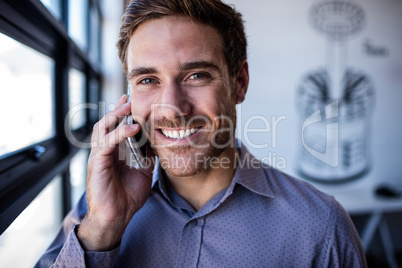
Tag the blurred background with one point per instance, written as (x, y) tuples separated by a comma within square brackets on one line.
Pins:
[(322, 106)]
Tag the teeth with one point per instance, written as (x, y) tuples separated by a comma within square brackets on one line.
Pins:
[(180, 134)]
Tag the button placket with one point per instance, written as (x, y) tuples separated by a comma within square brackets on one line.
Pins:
[(190, 244)]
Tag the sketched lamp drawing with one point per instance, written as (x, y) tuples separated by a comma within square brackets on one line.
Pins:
[(335, 102)]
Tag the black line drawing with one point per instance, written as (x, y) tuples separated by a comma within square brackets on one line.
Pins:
[(335, 102)]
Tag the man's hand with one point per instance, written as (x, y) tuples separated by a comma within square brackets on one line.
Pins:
[(115, 191)]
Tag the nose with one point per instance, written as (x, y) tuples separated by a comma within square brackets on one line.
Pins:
[(173, 102)]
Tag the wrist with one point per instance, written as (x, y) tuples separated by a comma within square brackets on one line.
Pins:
[(97, 237)]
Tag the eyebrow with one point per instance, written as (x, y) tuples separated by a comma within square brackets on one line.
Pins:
[(183, 67), (140, 71), (199, 65)]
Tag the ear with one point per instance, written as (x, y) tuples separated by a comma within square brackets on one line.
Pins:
[(241, 82)]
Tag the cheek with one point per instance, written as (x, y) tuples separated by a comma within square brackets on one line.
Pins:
[(141, 107), (216, 105), (211, 101)]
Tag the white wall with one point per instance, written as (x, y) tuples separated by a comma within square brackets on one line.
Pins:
[(283, 47)]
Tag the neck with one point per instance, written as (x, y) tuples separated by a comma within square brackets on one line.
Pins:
[(197, 190)]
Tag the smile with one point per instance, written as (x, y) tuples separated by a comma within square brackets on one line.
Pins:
[(179, 134)]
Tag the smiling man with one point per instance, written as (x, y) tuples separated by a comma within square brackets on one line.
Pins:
[(181, 87), (211, 203)]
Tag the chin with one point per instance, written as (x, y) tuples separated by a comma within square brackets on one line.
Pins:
[(180, 165), (186, 161)]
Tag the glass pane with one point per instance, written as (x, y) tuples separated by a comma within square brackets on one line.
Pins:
[(77, 22), (54, 6), (94, 35), (78, 172), (27, 238), (94, 99), (76, 96), (26, 107)]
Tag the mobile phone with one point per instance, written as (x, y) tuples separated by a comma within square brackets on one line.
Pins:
[(136, 146)]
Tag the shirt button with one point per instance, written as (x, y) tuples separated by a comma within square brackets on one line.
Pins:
[(193, 222)]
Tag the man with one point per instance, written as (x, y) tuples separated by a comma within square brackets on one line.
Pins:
[(212, 204)]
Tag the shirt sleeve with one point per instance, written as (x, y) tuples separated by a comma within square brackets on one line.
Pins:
[(72, 255), (66, 251), (342, 246)]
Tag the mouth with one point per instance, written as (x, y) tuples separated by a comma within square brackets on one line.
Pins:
[(180, 133)]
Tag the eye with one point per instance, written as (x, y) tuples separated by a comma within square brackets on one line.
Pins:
[(197, 76), (147, 81)]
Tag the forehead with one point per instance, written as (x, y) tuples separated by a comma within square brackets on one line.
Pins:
[(174, 40)]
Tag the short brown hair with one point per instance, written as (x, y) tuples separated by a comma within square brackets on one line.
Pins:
[(222, 17)]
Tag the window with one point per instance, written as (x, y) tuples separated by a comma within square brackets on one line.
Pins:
[(43, 74), (54, 7), (26, 98), (77, 22), (76, 96), (94, 40), (78, 172), (38, 223)]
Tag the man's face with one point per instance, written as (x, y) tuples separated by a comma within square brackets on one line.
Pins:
[(181, 92)]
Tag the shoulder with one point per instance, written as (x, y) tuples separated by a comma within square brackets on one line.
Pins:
[(284, 190), (282, 193), (340, 242), (298, 193)]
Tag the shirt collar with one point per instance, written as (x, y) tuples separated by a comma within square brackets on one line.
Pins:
[(250, 174)]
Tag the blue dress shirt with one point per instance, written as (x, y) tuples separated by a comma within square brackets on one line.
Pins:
[(263, 219)]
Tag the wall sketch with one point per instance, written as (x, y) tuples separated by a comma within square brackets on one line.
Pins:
[(335, 102)]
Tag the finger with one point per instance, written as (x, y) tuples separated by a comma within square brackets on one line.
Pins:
[(112, 139), (122, 100), (112, 118), (99, 129)]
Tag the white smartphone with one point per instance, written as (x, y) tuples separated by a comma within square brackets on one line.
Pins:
[(136, 146)]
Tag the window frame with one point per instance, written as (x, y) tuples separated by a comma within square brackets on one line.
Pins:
[(24, 173)]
